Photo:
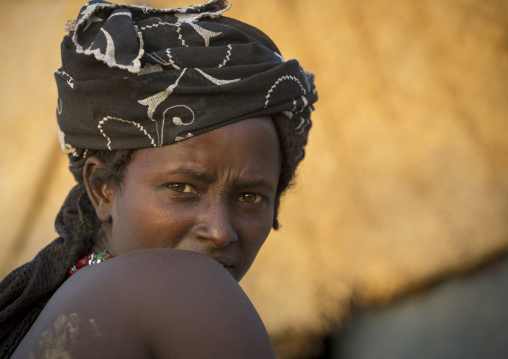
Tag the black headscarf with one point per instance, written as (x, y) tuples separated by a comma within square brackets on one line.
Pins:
[(135, 77)]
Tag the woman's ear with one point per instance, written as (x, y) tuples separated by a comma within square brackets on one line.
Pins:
[(101, 194)]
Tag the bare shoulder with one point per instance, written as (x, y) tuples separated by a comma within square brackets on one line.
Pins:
[(150, 303)]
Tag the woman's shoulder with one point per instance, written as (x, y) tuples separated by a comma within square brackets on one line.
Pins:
[(150, 303), (154, 266)]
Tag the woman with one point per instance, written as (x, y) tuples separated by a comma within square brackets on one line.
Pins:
[(183, 129)]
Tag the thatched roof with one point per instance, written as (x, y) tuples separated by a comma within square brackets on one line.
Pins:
[(406, 174)]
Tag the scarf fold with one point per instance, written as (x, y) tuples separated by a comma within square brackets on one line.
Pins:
[(27, 289)]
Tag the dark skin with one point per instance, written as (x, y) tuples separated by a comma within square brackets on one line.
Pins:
[(214, 195), (149, 304)]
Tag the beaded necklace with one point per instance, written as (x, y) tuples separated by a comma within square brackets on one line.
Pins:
[(92, 258)]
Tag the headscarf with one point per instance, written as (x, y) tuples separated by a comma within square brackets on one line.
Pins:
[(136, 77)]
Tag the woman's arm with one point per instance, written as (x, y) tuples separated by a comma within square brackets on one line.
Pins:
[(150, 303)]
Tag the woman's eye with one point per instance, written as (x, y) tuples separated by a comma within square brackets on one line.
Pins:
[(250, 198), (181, 187)]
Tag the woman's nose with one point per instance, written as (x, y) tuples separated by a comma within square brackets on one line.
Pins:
[(215, 225)]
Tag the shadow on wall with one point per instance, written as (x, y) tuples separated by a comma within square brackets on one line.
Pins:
[(461, 318)]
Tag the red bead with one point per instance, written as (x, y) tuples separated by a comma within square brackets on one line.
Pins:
[(82, 262), (72, 271), (92, 258)]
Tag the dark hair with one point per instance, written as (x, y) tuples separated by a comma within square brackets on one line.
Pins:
[(292, 153), (77, 218)]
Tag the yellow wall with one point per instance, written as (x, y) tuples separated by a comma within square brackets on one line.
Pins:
[(406, 175)]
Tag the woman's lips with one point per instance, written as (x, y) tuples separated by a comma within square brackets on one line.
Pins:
[(230, 265), (226, 262)]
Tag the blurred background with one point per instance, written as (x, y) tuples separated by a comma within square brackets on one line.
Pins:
[(394, 242)]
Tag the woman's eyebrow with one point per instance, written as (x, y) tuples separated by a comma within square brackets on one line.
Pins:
[(238, 183), (253, 183), (192, 173)]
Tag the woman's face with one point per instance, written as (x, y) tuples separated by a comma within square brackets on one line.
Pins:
[(212, 194)]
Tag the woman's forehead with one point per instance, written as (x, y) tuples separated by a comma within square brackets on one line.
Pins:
[(245, 147)]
